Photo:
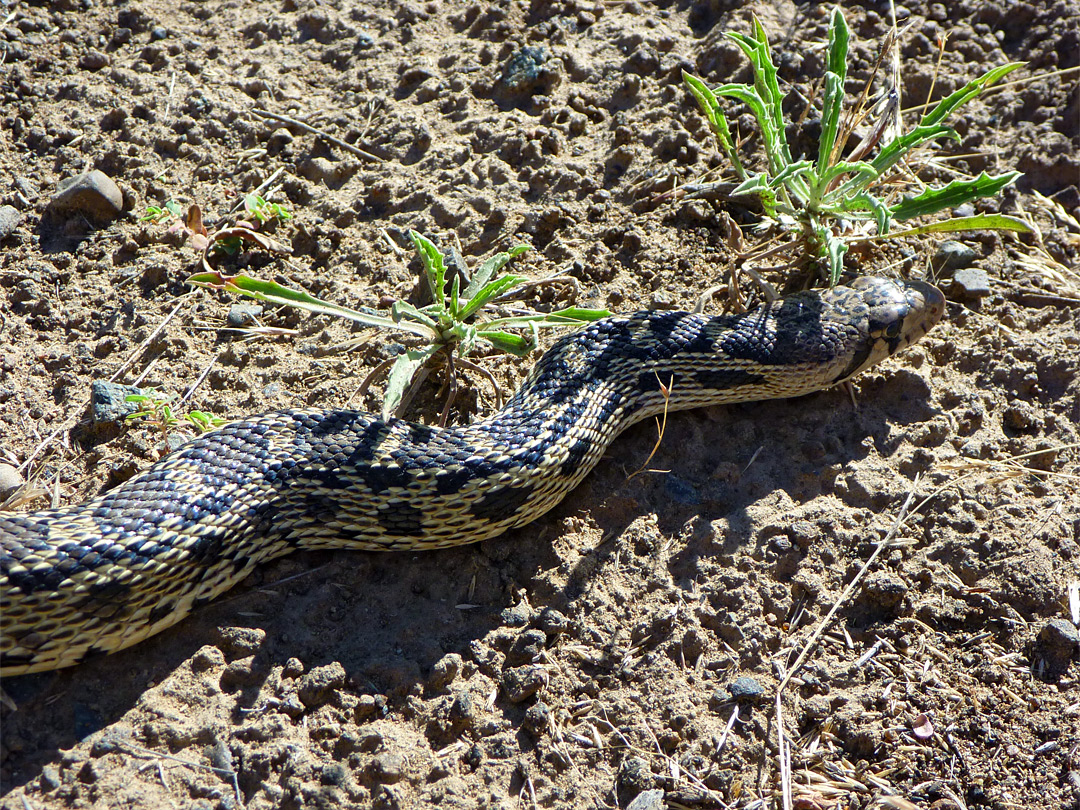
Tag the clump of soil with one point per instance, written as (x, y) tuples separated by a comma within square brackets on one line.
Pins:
[(593, 655)]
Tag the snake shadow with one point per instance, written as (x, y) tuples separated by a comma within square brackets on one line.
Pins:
[(389, 618)]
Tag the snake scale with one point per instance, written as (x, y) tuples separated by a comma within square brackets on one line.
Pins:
[(94, 578)]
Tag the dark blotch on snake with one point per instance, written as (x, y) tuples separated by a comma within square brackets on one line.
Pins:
[(723, 379), (402, 519), (501, 502)]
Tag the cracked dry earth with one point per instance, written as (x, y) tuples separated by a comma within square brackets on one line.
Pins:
[(589, 659)]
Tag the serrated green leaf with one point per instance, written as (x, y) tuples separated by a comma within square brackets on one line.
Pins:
[(863, 174), (507, 342), (434, 265), (491, 290), (955, 193), (868, 202), (832, 105), (895, 150), (838, 45), (570, 316), (402, 312), (274, 293), (710, 106), (969, 91), (979, 222)]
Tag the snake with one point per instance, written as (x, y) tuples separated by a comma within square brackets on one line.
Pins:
[(90, 579)]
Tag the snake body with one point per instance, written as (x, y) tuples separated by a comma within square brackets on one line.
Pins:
[(97, 577)]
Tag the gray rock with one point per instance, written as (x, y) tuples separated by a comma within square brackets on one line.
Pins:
[(528, 71), (92, 193), (1057, 644), (971, 283), (318, 686), (745, 689), (648, 800), (10, 480), (522, 683), (243, 314), (952, 255), (108, 401), (9, 220)]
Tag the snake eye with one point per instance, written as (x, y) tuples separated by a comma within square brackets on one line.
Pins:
[(893, 329)]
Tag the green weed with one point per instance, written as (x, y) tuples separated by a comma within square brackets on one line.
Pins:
[(449, 325), (157, 411), (820, 199)]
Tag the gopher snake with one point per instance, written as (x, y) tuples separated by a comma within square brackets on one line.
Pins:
[(98, 577)]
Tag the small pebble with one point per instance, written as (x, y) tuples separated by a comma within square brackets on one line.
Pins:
[(93, 60), (648, 800), (318, 685), (635, 774), (1057, 645), (9, 220), (745, 689), (953, 255), (158, 33), (970, 283), (91, 193), (240, 642), (521, 683), (108, 401), (10, 480), (243, 315), (388, 767), (444, 671)]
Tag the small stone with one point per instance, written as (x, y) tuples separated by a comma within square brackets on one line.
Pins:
[(92, 193), (293, 668), (239, 674), (553, 622), (537, 719), (516, 616), (157, 33), (93, 60), (50, 778), (527, 647), (444, 671), (10, 480), (953, 255), (883, 593), (635, 775), (528, 72), (388, 767), (521, 683), (108, 401), (240, 642), (1056, 646), (208, 657), (971, 283), (243, 315), (745, 690), (648, 800), (317, 686), (9, 220), (278, 139)]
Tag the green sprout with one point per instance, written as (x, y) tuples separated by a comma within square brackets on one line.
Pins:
[(818, 199), (265, 211), (156, 410), (449, 325), (169, 211)]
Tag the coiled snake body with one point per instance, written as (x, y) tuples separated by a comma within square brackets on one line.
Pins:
[(98, 577)]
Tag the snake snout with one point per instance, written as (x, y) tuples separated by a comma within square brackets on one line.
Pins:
[(900, 312)]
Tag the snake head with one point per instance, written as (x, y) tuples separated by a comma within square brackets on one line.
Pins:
[(897, 313)]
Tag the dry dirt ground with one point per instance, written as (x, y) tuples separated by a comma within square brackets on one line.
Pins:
[(588, 658)]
